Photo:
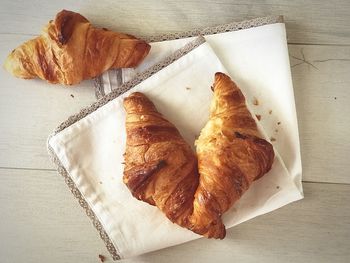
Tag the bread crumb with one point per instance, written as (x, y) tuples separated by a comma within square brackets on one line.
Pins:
[(335, 98), (102, 257), (276, 130), (188, 88), (270, 111), (278, 187), (278, 123), (273, 139), (72, 95), (258, 116), (100, 182), (255, 101)]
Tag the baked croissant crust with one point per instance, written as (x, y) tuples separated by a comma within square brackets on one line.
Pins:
[(231, 155), (70, 50), (161, 169)]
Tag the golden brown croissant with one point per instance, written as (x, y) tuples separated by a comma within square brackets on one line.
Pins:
[(160, 167), (70, 50), (231, 155)]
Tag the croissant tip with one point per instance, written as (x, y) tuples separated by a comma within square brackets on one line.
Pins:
[(136, 94), (65, 11), (220, 75), (13, 64)]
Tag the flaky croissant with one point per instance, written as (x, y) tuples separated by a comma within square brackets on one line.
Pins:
[(161, 169), (70, 50), (231, 155)]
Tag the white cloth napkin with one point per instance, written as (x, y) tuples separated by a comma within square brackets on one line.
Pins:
[(91, 149)]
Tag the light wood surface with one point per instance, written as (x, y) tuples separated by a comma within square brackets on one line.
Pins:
[(40, 220)]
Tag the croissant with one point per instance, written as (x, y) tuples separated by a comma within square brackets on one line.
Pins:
[(231, 155), (161, 169), (70, 50)]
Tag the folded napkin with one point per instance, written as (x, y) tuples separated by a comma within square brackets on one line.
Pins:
[(88, 150)]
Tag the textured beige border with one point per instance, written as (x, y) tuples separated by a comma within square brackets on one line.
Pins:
[(233, 26), (113, 250)]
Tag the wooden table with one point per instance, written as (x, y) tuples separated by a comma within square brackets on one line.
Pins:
[(41, 222)]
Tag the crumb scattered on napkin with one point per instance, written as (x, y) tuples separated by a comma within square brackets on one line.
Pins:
[(102, 258)]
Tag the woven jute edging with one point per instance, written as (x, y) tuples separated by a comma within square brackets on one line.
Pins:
[(234, 26), (112, 248)]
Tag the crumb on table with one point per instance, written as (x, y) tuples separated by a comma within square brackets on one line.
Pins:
[(255, 101), (188, 88), (278, 123), (102, 257), (276, 130), (270, 111), (258, 116), (72, 95), (273, 139), (100, 182)]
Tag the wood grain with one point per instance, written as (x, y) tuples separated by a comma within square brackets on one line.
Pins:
[(311, 22), (41, 222), (46, 224), (321, 86)]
